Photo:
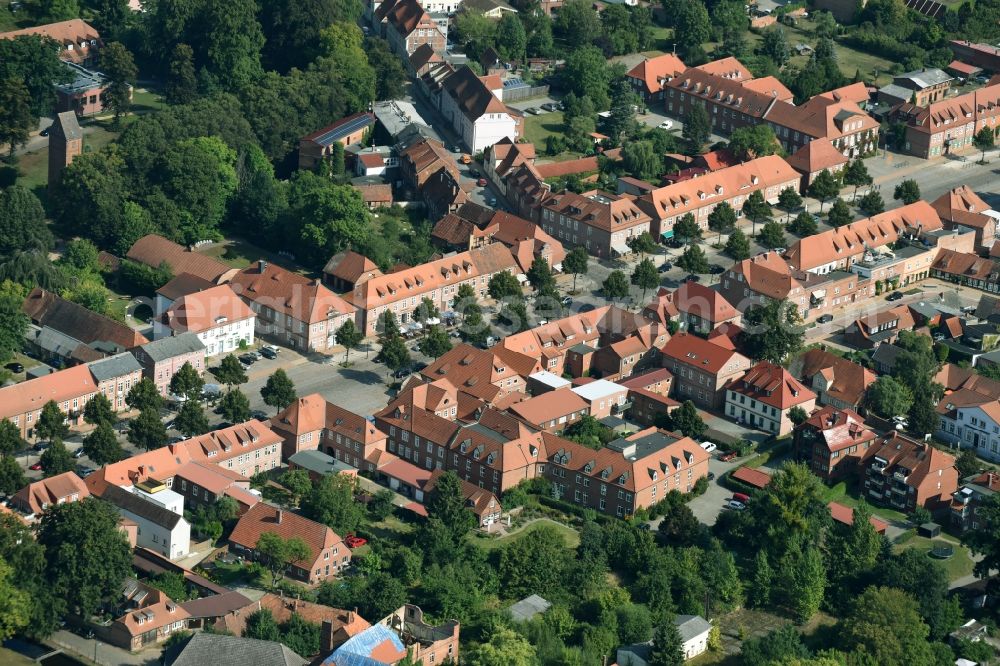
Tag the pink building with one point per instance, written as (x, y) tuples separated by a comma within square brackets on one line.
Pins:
[(161, 359)]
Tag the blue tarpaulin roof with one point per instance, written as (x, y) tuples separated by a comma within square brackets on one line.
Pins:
[(357, 650)]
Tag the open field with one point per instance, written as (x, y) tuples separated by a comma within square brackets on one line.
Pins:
[(571, 536), (538, 128), (958, 565)]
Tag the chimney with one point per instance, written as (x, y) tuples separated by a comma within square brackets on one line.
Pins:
[(278, 518), (326, 637), (261, 265)]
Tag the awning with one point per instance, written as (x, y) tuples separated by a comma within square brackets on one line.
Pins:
[(668, 234), (819, 294), (620, 248)]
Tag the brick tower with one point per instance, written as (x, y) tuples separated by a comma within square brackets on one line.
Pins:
[(65, 143)]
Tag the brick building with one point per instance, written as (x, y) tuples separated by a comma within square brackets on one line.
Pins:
[(764, 396), (832, 442), (702, 369), (599, 221), (161, 359), (948, 126)]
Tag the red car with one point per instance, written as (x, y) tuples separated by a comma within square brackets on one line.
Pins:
[(726, 457), (37, 466), (353, 541), (481, 182)]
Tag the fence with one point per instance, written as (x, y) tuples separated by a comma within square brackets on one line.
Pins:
[(524, 92)]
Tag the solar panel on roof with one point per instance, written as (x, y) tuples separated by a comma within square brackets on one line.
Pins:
[(343, 130)]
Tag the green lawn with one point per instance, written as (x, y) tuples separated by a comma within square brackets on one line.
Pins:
[(880, 511), (538, 128), (958, 565), (33, 167), (11, 658), (571, 536), (239, 253), (146, 100)]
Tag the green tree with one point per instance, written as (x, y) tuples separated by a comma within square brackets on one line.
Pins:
[(927, 581), (540, 275), (641, 160), (687, 228), (34, 61), (297, 482), (300, 635), (181, 85), (276, 554), (191, 419), (757, 209), (187, 382), (840, 213), (824, 187), (642, 244), (586, 72), (803, 225), (907, 191), (772, 235), (984, 140), (738, 246), (889, 397), (144, 396), (147, 430), (694, 260), (967, 463), (446, 503), (615, 286), (235, 406), (697, 126), (231, 372), (781, 646), (853, 550), (789, 200), (797, 415), (688, 421), (99, 410), (536, 564), (84, 576), (588, 431), (856, 175), (231, 42), (575, 263), (505, 648), (279, 391), (511, 39), (871, 203), (261, 624), (436, 342), (773, 331), (332, 503), (56, 459), (775, 46), (803, 580), (645, 276), (885, 626), (15, 604), (395, 354), (172, 584), (349, 337), (985, 542), (198, 176), (22, 221), (692, 26), (16, 118), (762, 581), (11, 476), (390, 77), (753, 141), (119, 67), (722, 219), (51, 423), (503, 285), (668, 647), (102, 446), (10, 438)]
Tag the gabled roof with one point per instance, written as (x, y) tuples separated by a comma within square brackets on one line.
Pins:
[(772, 385), (423, 55), (266, 518), (74, 33), (405, 15), (45, 308), (961, 205), (141, 507), (471, 95), (351, 267), (173, 346), (727, 68), (223, 650), (602, 210), (972, 106), (289, 293), (153, 250), (550, 405), (768, 274), (35, 497), (696, 299), (846, 381), (31, 395), (205, 310), (697, 352), (653, 72), (817, 155), (340, 129), (839, 428)]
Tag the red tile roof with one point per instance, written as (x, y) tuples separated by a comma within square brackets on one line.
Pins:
[(154, 250), (652, 72), (266, 518), (817, 155), (696, 299), (698, 352), (36, 497), (60, 386), (845, 515), (74, 33), (772, 385), (751, 476), (205, 310), (289, 293)]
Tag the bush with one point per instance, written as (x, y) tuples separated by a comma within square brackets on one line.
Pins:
[(700, 486)]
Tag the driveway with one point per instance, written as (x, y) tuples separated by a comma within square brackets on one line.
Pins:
[(100, 652), (707, 507)]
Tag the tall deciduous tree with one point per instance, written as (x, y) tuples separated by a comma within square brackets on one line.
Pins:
[(147, 430), (856, 175), (97, 560), (231, 372), (436, 342), (738, 246), (234, 406), (447, 504), (687, 229), (181, 85), (277, 553), (102, 446), (56, 459), (191, 419), (22, 220), (187, 382), (33, 60), (119, 66), (16, 118), (840, 213), (789, 200), (772, 235), (907, 191), (885, 626), (753, 141), (824, 187), (615, 286), (984, 139), (773, 331), (722, 219), (697, 126), (332, 503), (15, 604), (688, 421), (575, 263), (11, 475), (51, 423), (694, 260), (803, 225), (871, 203), (889, 397), (99, 410), (503, 285), (645, 276), (349, 337), (279, 391), (144, 395)]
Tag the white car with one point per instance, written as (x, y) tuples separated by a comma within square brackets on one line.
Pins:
[(709, 446), (666, 124), (736, 505)]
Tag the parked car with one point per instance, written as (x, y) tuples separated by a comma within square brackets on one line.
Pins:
[(354, 541), (474, 172), (736, 506), (466, 158), (726, 457), (248, 359), (709, 446), (901, 421), (267, 352), (894, 296), (825, 319), (40, 446), (79, 453), (741, 497), (482, 182), (693, 278), (566, 301), (666, 124), (85, 472), (45, 132), (711, 476), (402, 373), (259, 415), (550, 106), (16, 368), (37, 466), (716, 269), (665, 266)]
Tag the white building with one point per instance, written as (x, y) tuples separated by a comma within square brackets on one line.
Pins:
[(475, 111), (161, 524), (221, 320), (971, 426), (694, 631)]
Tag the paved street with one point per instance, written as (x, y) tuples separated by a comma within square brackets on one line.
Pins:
[(707, 507), (100, 652)]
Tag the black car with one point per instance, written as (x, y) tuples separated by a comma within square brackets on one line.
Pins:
[(40, 446), (15, 367), (674, 243), (45, 132), (693, 278), (267, 352), (825, 319), (248, 359), (259, 415), (716, 269), (894, 296), (665, 266), (711, 476), (402, 373)]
